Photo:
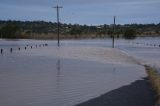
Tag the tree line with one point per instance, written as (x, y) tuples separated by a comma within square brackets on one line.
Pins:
[(42, 30)]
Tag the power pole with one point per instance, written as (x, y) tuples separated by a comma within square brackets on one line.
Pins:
[(31, 32), (58, 24), (113, 37)]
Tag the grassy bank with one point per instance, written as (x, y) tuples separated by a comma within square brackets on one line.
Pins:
[(154, 78)]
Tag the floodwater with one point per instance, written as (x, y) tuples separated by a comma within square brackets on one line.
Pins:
[(145, 50), (77, 71)]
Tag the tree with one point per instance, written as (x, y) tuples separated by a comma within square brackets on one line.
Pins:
[(75, 31), (9, 30), (110, 32), (130, 33), (101, 32)]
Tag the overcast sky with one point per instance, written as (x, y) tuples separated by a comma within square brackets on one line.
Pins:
[(89, 12)]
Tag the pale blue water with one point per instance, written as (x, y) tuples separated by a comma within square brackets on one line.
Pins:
[(146, 50), (28, 79)]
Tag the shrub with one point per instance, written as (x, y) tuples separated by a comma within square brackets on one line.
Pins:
[(130, 33)]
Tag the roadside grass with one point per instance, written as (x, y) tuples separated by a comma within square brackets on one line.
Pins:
[(154, 78)]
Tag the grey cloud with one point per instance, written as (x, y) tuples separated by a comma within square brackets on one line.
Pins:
[(82, 11)]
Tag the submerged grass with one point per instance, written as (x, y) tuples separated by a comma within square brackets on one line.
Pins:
[(154, 78)]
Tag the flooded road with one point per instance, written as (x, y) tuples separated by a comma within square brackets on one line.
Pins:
[(145, 50), (76, 72)]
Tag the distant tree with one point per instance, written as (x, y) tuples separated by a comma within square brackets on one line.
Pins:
[(101, 32), (130, 33), (157, 31), (10, 30), (19, 29), (1, 33), (117, 33), (110, 32), (75, 31)]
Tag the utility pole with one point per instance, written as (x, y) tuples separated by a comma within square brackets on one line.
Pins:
[(113, 37), (58, 24), (31, 32)]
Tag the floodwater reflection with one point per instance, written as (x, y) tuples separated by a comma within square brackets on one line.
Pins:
[(58, 74), (58, 65), (36, 77)]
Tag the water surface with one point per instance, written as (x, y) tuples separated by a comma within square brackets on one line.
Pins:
[(34, 77)]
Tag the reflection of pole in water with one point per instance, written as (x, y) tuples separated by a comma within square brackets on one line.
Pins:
[(114, 69), (11, 50), (114, 73), (58, 67), (58, 78)]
